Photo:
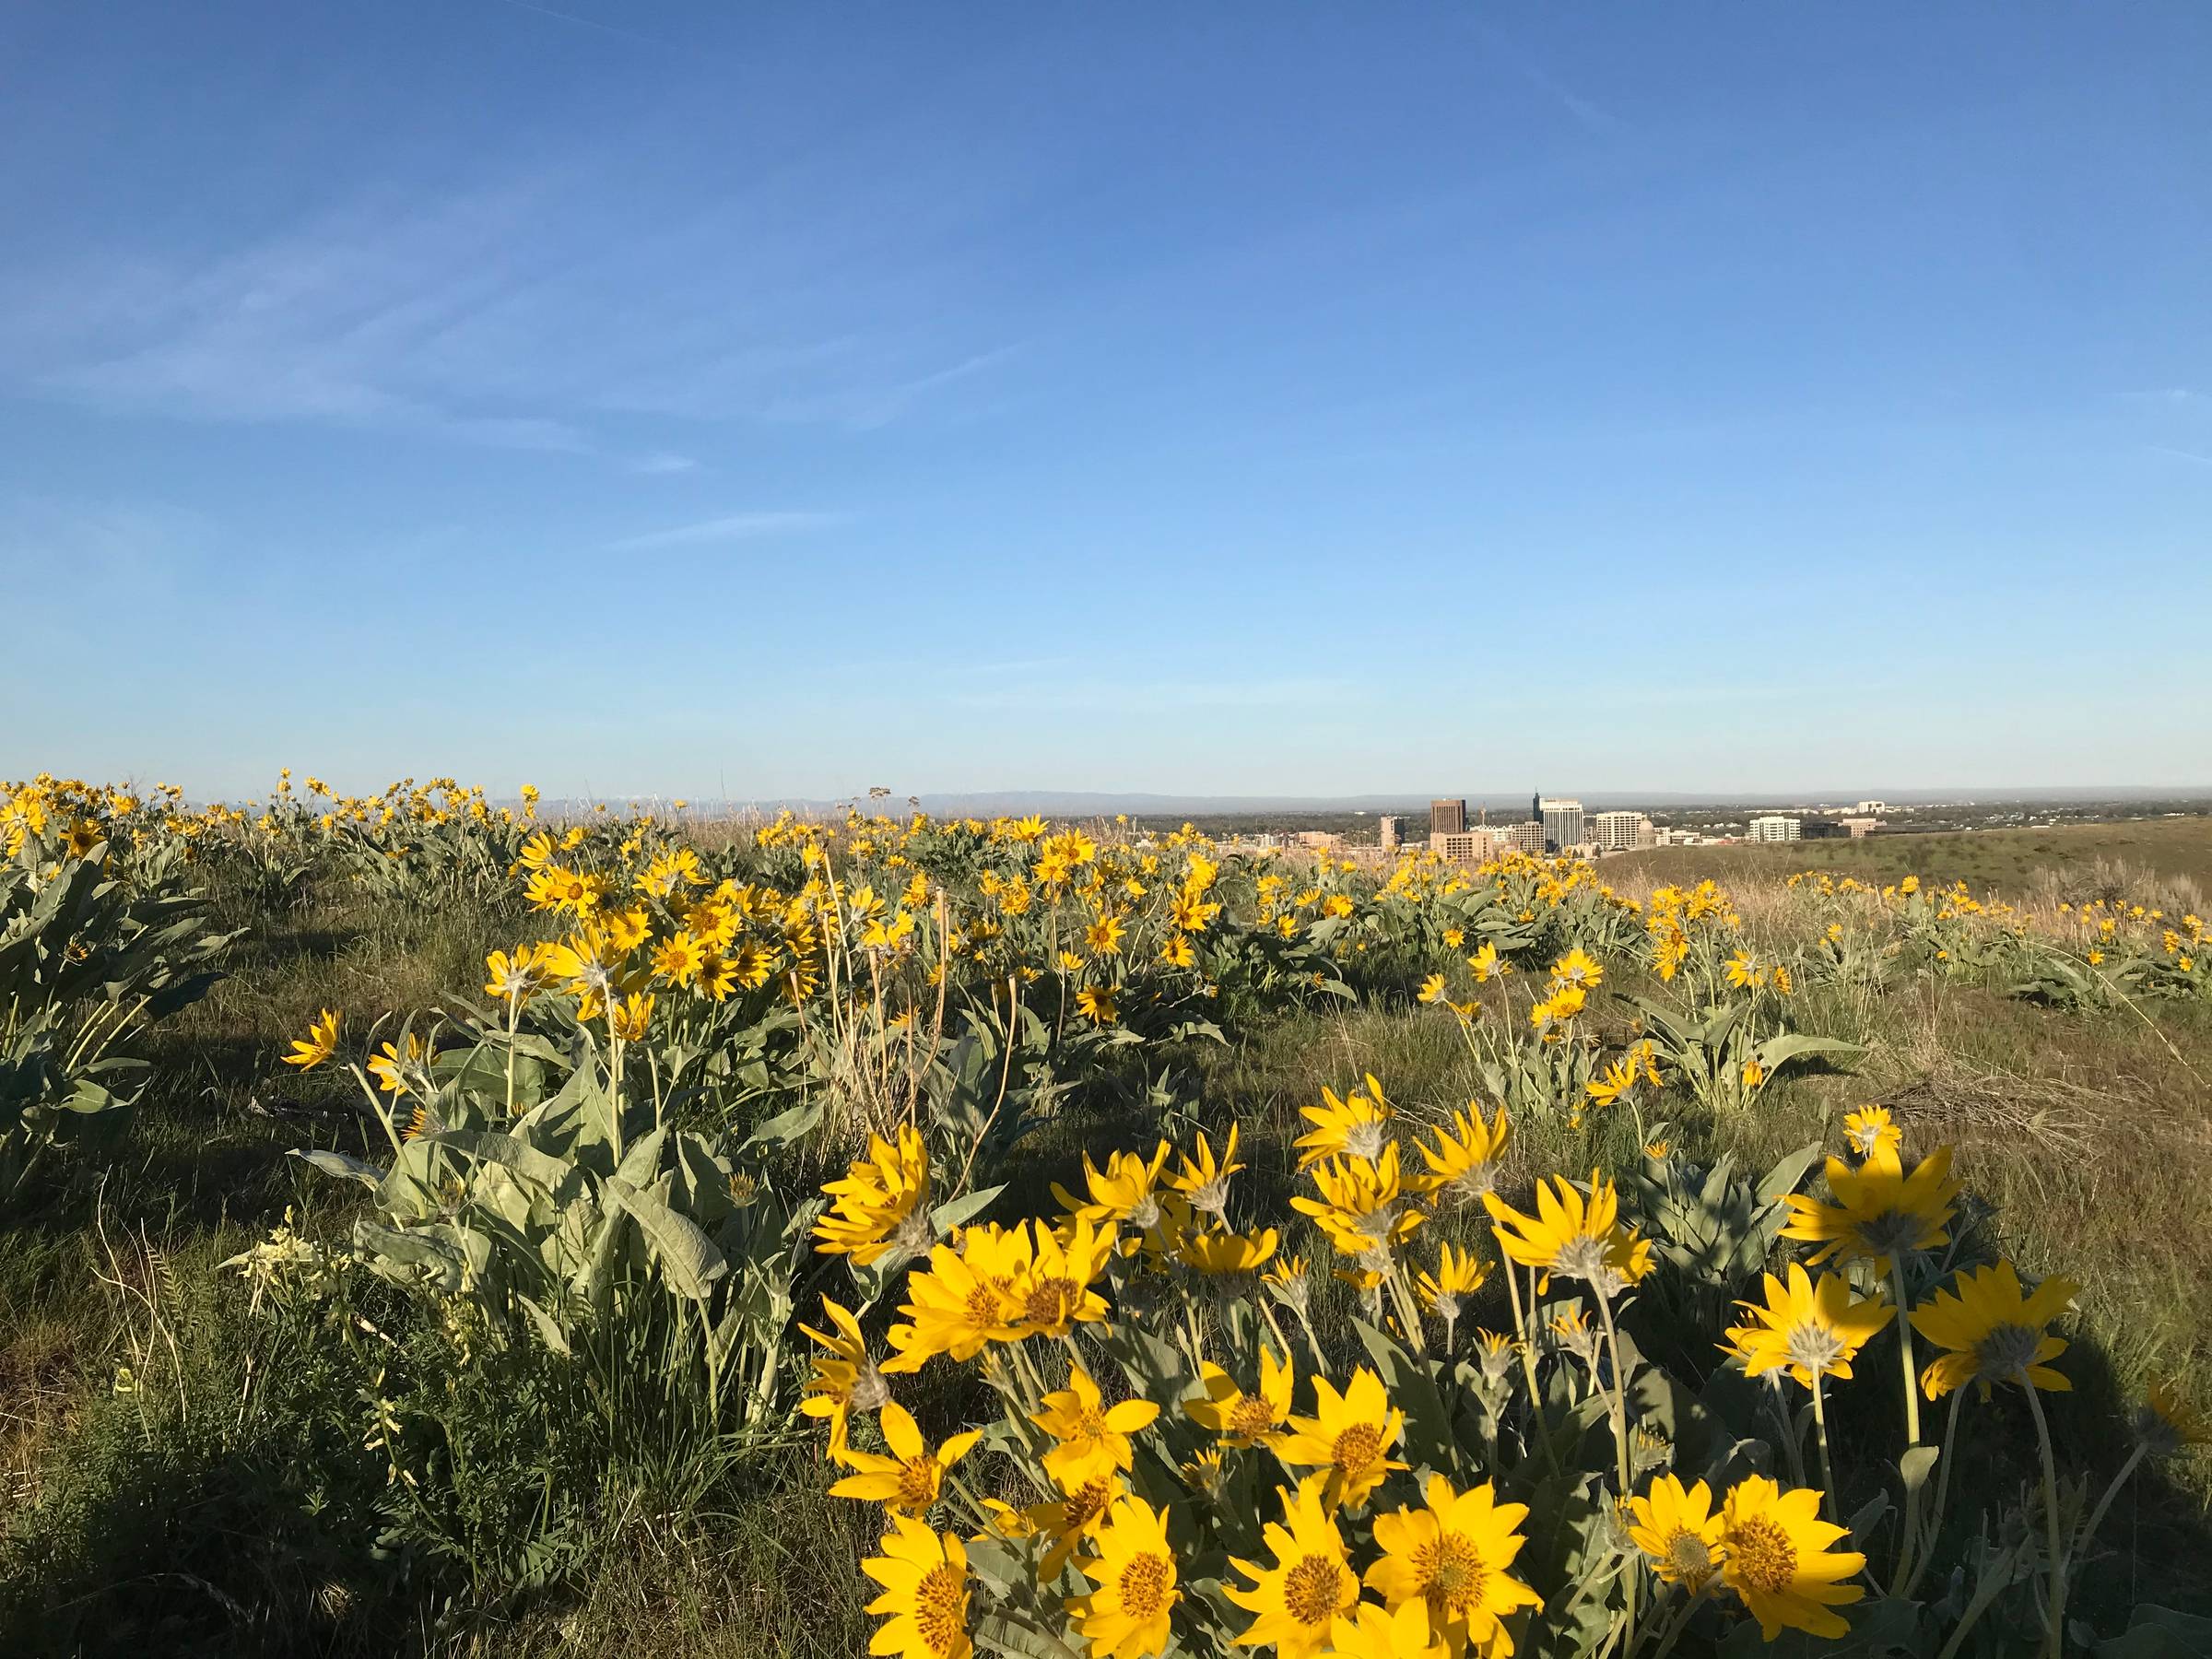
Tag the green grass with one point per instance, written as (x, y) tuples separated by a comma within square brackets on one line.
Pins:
[(143, 1525)]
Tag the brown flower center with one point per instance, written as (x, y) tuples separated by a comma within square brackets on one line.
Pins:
[(918, 1483), (1049, 1301), (941, 1607), (1083, 1506), (1144, 1585), (1313, 1588), (1451, 1571), (1688, 1559), (981, 1306), (1357, 1449), (1762, 1554), (1251, 1417)]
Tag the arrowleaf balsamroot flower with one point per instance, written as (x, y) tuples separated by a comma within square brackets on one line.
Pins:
[(1353, 1126), (1090, 1437), (1297, 1600), (1451, 1559), (924, 1580), (1123, 1191), (1204, 1181), (1127, 1615), (2168, 1425), (1880, 1212), (1241, 1418), (1775, 1555), (1811, 1329), (908, 1481), (1457, 1277), (1218, 1253), (1872, 1130), (843, 1379), (1348, 1436), (1584, 1241), (1462, 1165), (387, 1063), (1363, 1207), (319, 1043), (1993, 1331), (961, 1304), (876, 1196), (1052, 1294), (520, 976), (1578, 968), (1677, 1531)]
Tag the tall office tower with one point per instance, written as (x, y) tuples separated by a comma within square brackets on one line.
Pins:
[(1393, 831), (1446, 818), (1562, 821)]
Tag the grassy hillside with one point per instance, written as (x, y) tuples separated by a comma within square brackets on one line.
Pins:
[(189, 1471)]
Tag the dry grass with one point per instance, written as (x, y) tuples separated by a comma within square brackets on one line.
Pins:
[(2152, 860)]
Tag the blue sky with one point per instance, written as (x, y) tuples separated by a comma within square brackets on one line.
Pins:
[(1229, 398)]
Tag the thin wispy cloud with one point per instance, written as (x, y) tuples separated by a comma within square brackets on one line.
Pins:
[(1587, 112), (663, 466), (505, 312), (731, 528), (547, 11), (2167, 449), (867, 408)]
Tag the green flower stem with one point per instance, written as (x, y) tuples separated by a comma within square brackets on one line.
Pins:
[(1828, 1469), (1680, 1622), (1943, 1490), (2054, 1612), (1528, 1358), (1620, 1445), (1991, 1586), (2096, 1520), (1905, 1548)]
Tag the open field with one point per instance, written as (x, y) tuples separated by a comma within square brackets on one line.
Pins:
[(466, 1394), (2077, 857)]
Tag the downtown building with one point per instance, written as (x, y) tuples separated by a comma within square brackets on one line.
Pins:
[(1562, 820), (1622, 832)]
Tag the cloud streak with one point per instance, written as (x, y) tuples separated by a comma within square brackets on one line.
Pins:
[(731, 528), (529, 306)]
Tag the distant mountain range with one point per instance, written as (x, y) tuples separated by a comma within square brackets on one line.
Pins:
[(1082, 804)]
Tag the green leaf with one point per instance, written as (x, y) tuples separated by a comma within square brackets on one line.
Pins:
[(953, 1212), (549, 1328), (1914, 1465), (341, 1164), (518, 1156), (1777, 1051), (1784, 1177), (786, 1126), (686, 1255), (2156, 1632)]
